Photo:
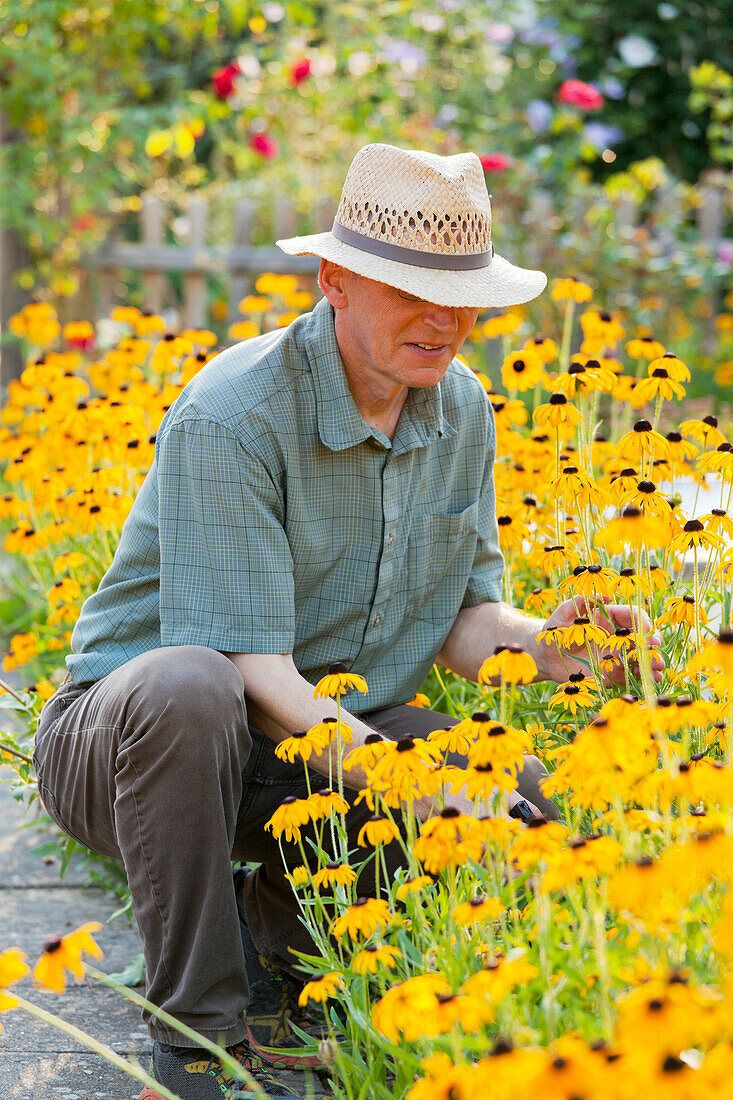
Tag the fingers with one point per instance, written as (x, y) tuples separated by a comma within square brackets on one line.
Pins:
[(623, 615)]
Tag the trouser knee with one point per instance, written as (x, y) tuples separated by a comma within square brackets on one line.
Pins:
[(192, 698)]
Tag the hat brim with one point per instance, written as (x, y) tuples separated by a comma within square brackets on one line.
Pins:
[(498, 285)]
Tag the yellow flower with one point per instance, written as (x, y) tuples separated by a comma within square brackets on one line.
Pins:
[(632, 528), (582, 632), (643, 440), (658, 384), (365, 916), (557, 412), (158, 142), (412, 885), (571, 290), (377, 830), (718, 654), (510, 663), (322, 803), (12, 969), (243, 330), (680, 610), (503, 748), (419, 700), (521, 370), (366, 756), (334, 874), (405, 1012), (477, 909), (254, 304), (62, 953), (694, 534), (200, 337), (369, 960), (288, 818), (544, 347), (601, 326), (71, 560), (499, 977), (570, 696), (301, 743), (644, 347), (44, 688), (674, 367), (300, 876), (321, 989), (339, 681), (502, 325)]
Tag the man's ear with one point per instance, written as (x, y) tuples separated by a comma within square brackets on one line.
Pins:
[(334, 282)]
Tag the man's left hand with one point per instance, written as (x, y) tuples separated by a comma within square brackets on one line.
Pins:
[(559, 662)]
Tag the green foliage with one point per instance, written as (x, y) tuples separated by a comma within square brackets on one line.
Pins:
[(653, 109), (80, 87), (713, 90)]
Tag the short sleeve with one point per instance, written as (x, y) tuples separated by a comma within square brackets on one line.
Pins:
[(485, 581), (226, 571)]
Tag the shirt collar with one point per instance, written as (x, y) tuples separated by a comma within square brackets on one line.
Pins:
[(340, 424)]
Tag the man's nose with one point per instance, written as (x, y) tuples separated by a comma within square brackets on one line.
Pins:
[(443, 318)]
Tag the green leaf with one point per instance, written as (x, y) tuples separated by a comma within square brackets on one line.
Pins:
[(133, 974)]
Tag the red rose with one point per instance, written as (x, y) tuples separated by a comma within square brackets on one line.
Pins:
[(223, 80), (300, 71), (495, 162), (580, 95), (264, 145)]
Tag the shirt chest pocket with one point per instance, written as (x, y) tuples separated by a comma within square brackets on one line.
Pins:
[(440, 553)]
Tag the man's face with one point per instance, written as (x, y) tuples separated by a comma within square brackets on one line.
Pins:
[(394, 337)]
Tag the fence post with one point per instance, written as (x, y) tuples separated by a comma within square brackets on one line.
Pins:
[(194, 283), (285, 217), (539, 212), (240, 284), (710, 220), (151, 223)]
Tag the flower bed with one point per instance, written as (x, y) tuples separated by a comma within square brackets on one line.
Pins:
[(583, 958)]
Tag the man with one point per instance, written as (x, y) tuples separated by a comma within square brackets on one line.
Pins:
[(322, 493)]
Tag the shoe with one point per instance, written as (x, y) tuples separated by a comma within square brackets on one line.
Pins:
[(273, 1004), (194, 1074)]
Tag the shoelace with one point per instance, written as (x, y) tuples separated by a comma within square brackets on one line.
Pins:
[(250, 1059)]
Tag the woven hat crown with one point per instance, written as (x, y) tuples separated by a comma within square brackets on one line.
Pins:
[(417, 200)]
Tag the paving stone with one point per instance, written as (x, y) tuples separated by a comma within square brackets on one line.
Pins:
[(41, 1076), (29, 916), (101, 1012), (20, 836)]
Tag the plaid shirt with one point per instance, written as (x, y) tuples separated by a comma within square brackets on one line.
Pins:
[(274, 519)]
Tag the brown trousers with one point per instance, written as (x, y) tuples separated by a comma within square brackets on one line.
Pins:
[(156, 765)]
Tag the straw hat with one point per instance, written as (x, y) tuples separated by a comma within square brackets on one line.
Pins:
[(421, 223)]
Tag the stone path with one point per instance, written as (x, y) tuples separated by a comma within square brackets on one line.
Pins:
[(38, 1062)]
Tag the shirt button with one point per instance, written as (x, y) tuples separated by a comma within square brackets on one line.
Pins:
[(377, 620)]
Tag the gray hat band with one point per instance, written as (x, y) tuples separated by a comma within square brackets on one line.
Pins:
[(413, 256)]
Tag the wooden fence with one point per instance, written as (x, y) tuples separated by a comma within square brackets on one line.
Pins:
[(195, 261), (242, 262), (238, 265)]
